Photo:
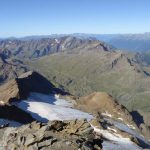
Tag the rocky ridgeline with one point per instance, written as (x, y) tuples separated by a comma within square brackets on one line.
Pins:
[(35, 48), (20, 88), (10, 69), (66, 135)]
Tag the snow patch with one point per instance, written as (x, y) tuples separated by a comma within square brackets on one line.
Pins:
[(57, 96), (56, 40), (107, 145), (116, 141), (114, 130), (126, 128), (131, 126), (50, 107), (120, 119), (107, 114)]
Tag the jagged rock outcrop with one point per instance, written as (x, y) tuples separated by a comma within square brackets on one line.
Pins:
[(145, 130), (53, 135), (21, 87)]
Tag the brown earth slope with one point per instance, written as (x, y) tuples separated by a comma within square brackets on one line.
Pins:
[(101, 102)]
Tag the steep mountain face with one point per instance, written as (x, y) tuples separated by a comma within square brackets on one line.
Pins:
[(21, 87)]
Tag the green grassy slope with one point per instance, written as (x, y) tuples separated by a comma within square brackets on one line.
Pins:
[(83, 72)]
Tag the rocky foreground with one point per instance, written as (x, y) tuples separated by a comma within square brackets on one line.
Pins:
[(67, 135), (35, 115)]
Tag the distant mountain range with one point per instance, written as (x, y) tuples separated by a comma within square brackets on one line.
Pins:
[(127, 42), (35, 47)]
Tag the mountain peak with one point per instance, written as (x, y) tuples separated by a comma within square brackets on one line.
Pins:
[(20, 88)]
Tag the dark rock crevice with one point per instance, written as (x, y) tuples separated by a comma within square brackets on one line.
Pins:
[(15, 114)]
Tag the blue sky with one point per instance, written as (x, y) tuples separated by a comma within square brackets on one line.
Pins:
[(44, 17)]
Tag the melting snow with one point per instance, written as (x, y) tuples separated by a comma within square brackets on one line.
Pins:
[(131, 126), (116, 141), (120, 119), (107, 114), (56, 40), (49, 107), (114, 130), (127, 128), (120, 146)]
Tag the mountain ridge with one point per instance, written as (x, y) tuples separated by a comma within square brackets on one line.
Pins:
[(41, 47), (138, 42)]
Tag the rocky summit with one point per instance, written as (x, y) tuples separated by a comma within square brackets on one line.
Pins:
[(20, 88)]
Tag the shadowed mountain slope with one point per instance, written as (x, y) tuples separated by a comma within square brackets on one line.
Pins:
[(21, 87)]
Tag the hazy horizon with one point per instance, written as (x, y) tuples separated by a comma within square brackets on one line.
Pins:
[(23, 36), (38, 17)]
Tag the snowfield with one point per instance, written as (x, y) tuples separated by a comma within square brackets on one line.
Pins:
[(50, 107), (127, 128)]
